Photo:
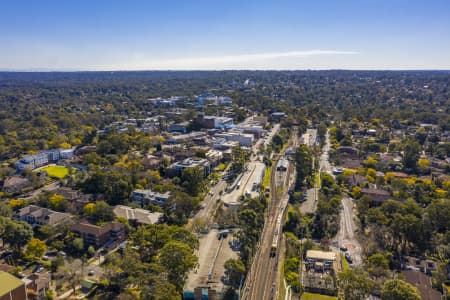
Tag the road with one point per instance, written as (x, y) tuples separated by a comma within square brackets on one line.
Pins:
[(346, 235), (262, 281), (310, 205), (347, 228), (324, 162)]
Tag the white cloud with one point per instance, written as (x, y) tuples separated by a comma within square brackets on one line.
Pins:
[(243, 61)]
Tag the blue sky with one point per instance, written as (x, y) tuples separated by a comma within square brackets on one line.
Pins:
[(227, 34)]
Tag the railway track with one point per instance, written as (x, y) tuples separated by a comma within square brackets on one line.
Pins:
[(262, 280)]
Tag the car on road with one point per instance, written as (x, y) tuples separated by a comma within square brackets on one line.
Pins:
[(91, 272), (348, 258)]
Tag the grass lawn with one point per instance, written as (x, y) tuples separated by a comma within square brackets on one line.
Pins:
[(266, 182), (317, 179), (311, 296), (344, 263), (56, 171)]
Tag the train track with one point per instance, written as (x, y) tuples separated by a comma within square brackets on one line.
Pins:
[(262, 280)]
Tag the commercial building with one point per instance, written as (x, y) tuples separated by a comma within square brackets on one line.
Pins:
[(211, 122), (176, 169), (210, 98), (31, 162), (320, 260), (179, 127), (244, 139), (147, 197)]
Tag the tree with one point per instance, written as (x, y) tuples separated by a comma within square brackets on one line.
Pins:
[(78, 245), (193, 180), (303, 164), (5, 210), (178, 258), (72, 274), (36, 248), (89, 209), (377, 265), (396, 289), (103, 212), (58, 202), (411, 154), (17, 234), (235, 270), (355, 284)]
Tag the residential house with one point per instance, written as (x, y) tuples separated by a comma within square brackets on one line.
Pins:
[(137, 216), (423, 283), (38, 216), (377, 196), (12, 288), (38, 283), (15, 184), (98, 236), (147, 197)]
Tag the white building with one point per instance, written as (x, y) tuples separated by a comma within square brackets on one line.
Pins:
[(244, 139)]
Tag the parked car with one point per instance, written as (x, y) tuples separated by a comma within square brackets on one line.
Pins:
[(343, 249), (91, 272)]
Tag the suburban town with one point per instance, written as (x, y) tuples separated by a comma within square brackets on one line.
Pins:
[(204, 197), (225, 150)]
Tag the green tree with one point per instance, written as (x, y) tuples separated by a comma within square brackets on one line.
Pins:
[(303, 164), (178, 258), (235, 270), (103, 212), (411, 154), (5, 210), (396, 289), (355, 284), (377, 265), (17, 234), (193, 180), (78, 245)]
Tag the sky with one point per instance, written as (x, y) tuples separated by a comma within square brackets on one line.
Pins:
[(224, 34)]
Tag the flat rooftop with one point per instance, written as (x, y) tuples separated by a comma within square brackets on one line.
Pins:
[(322, 255)]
